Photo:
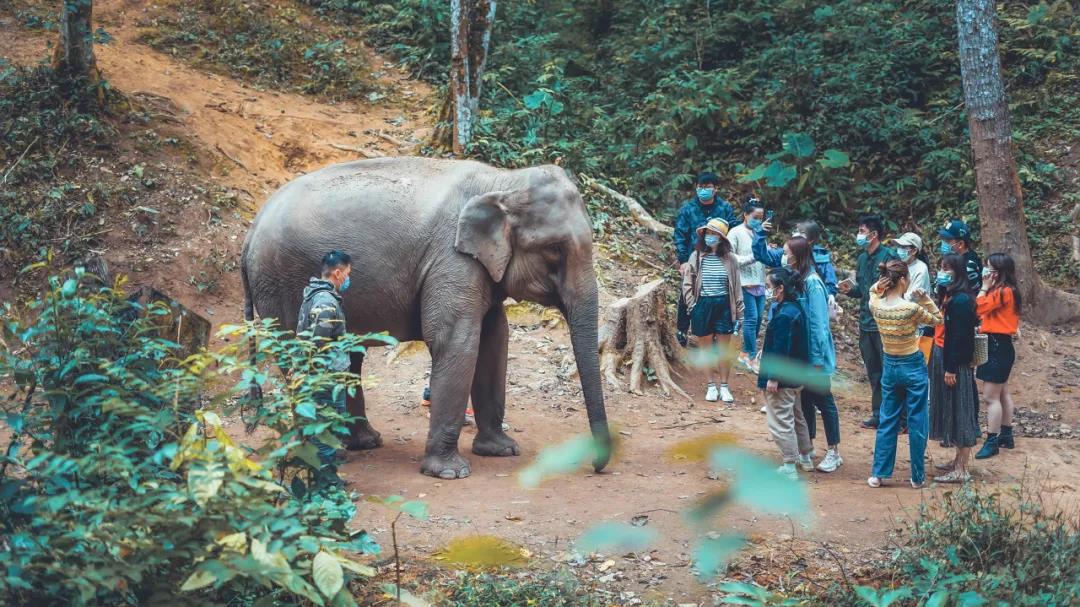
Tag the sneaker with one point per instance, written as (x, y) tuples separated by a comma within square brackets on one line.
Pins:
[(680, 336), (425, 400), (875, 481), (764, 408), (470, 416), (505, 427), (712, 394), (746, 361), (945, 467), (956, 476), (870, 422), (831, 462), (788, 470), (725, 394), (917, 484), (806, 462)]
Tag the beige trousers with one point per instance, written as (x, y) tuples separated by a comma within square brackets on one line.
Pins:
[(787, 424)]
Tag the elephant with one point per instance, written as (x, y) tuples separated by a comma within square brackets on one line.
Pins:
[(437, 246)]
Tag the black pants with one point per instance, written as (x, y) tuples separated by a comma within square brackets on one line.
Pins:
[(683, 317), (871, 350)]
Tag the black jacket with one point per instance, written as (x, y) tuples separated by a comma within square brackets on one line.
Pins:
[(785, 354), (960, 322)]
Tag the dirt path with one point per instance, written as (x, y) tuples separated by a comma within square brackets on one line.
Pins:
[(256, 140)]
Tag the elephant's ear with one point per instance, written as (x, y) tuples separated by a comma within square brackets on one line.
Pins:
[(483, 232)]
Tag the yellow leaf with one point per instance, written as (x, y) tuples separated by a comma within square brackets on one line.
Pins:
[(351, 565), (698, 449), (199, 579), (237, 542), (482, 551)]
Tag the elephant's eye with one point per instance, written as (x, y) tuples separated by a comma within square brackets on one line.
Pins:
[(553, 252)]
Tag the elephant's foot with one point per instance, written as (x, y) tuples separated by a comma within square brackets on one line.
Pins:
[(448, 467), (363, 437), (496, 444)]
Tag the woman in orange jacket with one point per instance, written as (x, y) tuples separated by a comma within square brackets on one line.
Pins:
[(999, 314)]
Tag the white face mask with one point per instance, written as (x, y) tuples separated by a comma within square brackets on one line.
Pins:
[(784, 260)]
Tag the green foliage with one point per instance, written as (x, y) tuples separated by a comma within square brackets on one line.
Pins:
[(270, 43), (847, 106), (556, 589), (118, 487), (42, 122)]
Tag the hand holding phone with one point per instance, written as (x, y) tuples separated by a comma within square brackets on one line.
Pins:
[(846, 285)]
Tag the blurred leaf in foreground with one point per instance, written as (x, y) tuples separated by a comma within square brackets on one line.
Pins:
[(756, 484), (612, 536), (697, 449)]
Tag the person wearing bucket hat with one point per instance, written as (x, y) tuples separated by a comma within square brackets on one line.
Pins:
[(706, 204), (713, 294), (956, 240)]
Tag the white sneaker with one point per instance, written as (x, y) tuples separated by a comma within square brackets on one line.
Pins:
[(789, 471), (725, 395), (831, 462), (806, 462), (712, 394), (765, 408)]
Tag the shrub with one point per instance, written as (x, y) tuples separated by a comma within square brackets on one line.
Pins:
[(119, 486)]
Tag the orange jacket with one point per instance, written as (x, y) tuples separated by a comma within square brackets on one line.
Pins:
[(997, 311)]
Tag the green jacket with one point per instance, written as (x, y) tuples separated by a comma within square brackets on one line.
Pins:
[(866, 276)]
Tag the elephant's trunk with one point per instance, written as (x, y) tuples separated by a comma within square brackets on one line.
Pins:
[(582, 311)]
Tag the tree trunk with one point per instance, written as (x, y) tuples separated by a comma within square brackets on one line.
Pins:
[(74, 54), (638, 328), (470, 38), (997, 184)]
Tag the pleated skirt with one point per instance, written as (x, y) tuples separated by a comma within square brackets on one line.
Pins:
[(954, 412)]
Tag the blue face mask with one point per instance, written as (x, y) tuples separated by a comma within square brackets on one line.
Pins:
[(943, 279), (711, 240), (345, 285), (705, 194), (946, 248), (862, 240), (903, 254), (755, 224)]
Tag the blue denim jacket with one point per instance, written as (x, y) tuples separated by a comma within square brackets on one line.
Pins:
[(771, 256), (815, 300)]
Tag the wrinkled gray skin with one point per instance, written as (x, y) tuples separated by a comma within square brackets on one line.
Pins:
[(436, 247)]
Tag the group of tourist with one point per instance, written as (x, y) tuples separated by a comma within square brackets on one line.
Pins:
[(917, 332)]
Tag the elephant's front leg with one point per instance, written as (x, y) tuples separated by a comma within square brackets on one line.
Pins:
[(489, 387), (361, 434), (453, 346)]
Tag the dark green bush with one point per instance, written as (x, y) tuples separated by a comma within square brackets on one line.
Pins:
[(120, 486)]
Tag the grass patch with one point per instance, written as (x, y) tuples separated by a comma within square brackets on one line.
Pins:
[(272, 44)]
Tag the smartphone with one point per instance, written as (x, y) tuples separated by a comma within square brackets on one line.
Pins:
[(769, 215), (847, 283)]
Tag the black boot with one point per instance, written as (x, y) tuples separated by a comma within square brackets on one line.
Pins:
[(1005, 439), (989, 448)]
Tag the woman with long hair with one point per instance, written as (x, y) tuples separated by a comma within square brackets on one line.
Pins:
[(999, 316), (904, 382), (713, 294), (954, 398), (817, 391)]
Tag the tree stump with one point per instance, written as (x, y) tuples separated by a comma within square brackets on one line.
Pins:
[(639, 328)]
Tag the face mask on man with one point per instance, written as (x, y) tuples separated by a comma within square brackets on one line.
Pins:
[(711, 240), (944, 279), (862, 240), (946, 248), (705, 194)]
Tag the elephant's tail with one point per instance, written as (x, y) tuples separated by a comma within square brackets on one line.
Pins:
[(249, 315)]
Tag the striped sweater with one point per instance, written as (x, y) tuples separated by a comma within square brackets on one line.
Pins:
[(899, 324), (714, 278)]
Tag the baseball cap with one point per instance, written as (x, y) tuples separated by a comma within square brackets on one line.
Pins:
[(955, 229), (909, 239)]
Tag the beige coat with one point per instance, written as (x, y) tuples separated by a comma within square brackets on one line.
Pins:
[(691, 283)]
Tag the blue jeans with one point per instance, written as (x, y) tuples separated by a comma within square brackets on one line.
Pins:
[(905, 387), (821, 399), (755, 308), (326, 399)]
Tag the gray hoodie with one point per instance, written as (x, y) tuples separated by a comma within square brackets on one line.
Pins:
[(322, 315)]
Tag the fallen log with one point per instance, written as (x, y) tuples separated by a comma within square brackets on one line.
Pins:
[(639, 329), (637, 211)]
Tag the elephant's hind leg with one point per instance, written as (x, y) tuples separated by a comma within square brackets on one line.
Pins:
[(361, 435), (489, 387)]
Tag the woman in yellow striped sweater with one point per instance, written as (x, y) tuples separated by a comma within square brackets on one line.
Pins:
[(904, 379)]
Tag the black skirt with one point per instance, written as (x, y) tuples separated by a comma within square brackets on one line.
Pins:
[(954, 412), (1000, 360)]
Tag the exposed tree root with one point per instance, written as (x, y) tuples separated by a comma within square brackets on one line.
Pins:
[(638, 328)]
